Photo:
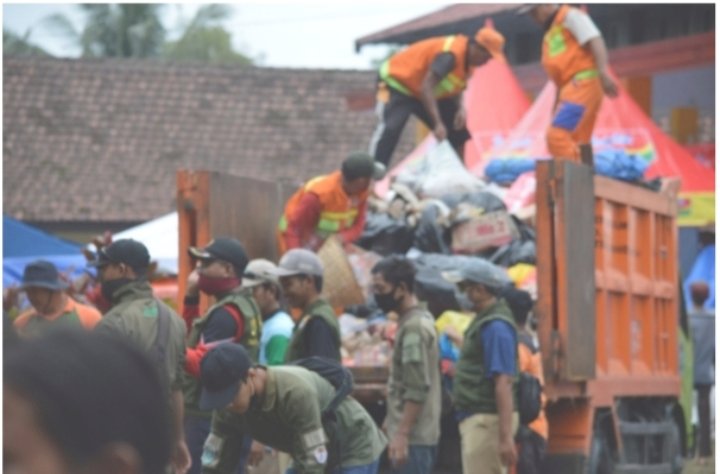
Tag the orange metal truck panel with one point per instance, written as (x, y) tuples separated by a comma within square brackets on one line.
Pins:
[(634, 277)]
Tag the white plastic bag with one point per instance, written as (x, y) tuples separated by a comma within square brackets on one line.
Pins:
[(444, 173)]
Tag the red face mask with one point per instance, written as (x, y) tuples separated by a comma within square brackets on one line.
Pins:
[(217, 286)]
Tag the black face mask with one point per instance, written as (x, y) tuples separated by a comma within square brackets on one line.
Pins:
[(108, 288), (387, 301)]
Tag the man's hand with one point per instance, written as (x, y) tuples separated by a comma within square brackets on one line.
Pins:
[(440, 132), (460, 118), (257, 451), (11, 298), (192, 283), (508, 453), (181, 460), (398, 449), (608, 85)]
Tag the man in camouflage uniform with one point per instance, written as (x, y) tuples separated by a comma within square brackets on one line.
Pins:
[(234, 316), (281, 407), (150, 323)]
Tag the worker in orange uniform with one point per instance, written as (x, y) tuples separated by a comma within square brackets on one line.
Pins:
[(427, 80), (576, 60), (532, 437), (334, 204)]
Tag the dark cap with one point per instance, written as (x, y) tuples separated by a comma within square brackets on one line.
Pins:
[(222, 371), (361, 165), (226, 249), (42, 274), (128, 251)]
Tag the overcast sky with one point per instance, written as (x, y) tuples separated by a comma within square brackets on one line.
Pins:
[(282, 34)]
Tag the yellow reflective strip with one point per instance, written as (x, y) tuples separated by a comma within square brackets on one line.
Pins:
[(282, 225), (448, 42), (391, 81), (328, 225), (586, 74), (338, 216)]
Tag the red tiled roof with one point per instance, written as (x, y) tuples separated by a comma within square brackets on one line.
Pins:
[(445, 16), (101, 140)]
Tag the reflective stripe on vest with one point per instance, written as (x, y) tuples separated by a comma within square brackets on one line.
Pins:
[(555, 40), (586, 74), (451, 82), (392, 82)]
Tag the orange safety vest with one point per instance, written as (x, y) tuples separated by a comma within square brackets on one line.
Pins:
[(563, 58), (405, 71), (339, 210)]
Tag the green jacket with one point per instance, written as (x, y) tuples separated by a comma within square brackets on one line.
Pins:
[(134, 313), (287, 418), (318, 309), (473, 392), (250, 340), (415, 377)]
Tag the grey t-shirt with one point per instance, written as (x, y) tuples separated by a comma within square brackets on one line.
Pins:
[(702, 327)]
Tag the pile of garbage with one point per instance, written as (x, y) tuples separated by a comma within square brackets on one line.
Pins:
[(442, 217)]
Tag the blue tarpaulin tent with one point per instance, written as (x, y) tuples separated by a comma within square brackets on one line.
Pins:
[(23, 244)]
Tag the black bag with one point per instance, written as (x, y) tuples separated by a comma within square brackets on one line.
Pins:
[(529, 398), (342, 380)]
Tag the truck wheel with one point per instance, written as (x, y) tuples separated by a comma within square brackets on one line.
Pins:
[(600, 460)]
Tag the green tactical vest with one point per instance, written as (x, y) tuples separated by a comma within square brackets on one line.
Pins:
[(37, 325), (250, 340), (319, 309), (472, 391)]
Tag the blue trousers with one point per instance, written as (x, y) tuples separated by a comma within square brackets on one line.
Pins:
[(371, 468), (197, 429), (421, 460)]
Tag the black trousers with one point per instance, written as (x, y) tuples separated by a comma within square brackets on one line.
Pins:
[(394, 114), (531, 451), (703, 407)]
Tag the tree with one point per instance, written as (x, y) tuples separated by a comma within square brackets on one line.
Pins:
[(16, 45), (203, 39), (134, 30), (131, 30)]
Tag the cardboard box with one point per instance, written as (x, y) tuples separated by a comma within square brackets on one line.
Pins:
[(493, 229)]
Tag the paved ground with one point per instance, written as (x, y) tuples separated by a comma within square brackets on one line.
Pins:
[(693, 467)]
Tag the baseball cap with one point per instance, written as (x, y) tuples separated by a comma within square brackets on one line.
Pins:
[(128, 251), (259, 271), (299, 261), (478, 271), (42, 274), (222, 370), (491, 40), (226, 249), (362, 165)]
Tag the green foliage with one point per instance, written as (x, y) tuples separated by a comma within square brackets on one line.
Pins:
[(131, 30), (16, 45), (134, 30), (205, 40)]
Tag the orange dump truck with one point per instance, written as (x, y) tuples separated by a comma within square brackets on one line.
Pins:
[(607, 308), (608, 323)]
